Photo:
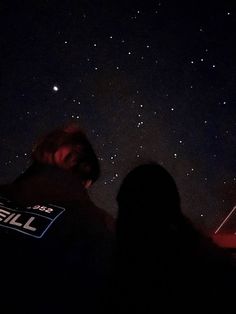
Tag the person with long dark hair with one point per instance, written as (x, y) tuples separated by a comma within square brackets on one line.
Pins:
[(164, 264)]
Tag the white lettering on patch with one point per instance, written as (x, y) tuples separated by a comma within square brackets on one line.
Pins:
[(31, 220)]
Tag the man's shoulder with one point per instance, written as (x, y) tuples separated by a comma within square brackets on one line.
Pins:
[(108, 219), (100, 217), (77, 216)]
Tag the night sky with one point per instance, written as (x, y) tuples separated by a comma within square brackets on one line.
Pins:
[(147, 80)]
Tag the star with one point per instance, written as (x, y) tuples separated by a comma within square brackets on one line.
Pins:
[(55, 88)]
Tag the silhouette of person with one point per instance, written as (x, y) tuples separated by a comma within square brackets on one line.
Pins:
[(55, 243), (163, 263)]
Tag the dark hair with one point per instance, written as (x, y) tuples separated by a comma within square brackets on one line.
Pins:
[(87, 164), (147, 185)]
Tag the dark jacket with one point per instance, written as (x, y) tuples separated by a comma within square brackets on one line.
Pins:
[(55, 245)]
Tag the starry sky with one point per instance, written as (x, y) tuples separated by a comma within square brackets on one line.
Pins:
[(147, 80)]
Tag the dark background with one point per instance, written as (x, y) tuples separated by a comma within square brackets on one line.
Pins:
[(147, 80)]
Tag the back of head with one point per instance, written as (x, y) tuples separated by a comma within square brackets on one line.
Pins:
[(149, 208), (149, 211), (67, 148), (149, 190)]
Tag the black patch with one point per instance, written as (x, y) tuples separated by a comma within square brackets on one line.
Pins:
[(33, 220)]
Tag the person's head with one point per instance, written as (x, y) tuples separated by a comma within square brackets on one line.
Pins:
[(148, 198), (68, 148)]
